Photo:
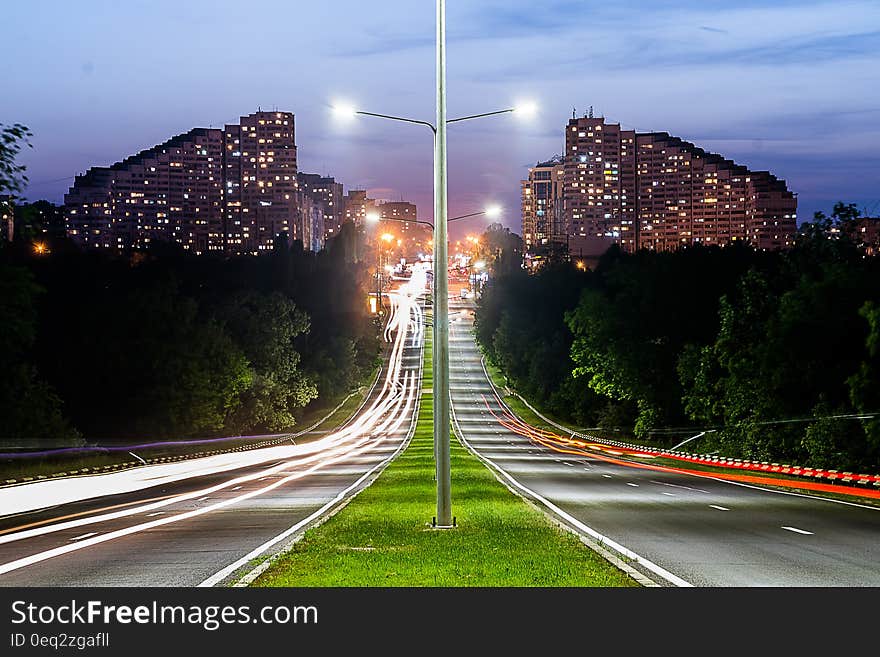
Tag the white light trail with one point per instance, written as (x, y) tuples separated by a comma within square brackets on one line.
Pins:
[(394, 403)]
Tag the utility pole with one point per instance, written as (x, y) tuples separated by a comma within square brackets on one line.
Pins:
[(441, 289)]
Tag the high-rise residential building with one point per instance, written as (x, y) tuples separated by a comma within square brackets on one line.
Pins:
[(232, 190), (172, 192), (656, 191), (310, 221), (599, 194), (357, 206), (329, 193), (401, 219), (543, 225), (689, 196), (261, 184)]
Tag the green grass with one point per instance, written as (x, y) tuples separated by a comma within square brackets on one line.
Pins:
[(384, 538)]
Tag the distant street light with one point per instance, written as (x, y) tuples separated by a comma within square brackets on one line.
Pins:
[(441, 260)]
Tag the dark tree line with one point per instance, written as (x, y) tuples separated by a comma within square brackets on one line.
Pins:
[(779, 353), (167, 344)]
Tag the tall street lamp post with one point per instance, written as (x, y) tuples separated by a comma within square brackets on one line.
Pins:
[(441, 284)]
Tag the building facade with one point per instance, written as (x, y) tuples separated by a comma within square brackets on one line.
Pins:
[(233, 190), (357, 205), (401, 219), (658, 192), (328, 192), (543, 225)]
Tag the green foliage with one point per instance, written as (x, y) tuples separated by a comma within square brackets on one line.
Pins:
[(520, 325), (12, 177), (767, 348), (501, 248), (265, 326), (639, 315), (31, 410), (167, 344), (864, 384)]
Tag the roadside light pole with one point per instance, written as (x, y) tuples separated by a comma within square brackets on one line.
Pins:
[(441, 264), (441, 290)]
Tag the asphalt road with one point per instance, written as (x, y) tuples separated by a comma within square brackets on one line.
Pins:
[(703, 531), (207, 514)]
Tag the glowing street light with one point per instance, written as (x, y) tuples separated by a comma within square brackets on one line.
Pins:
[(526, 109), (344, 111), (494, 211)]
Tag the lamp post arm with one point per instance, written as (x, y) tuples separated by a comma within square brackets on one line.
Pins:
[(399, 118), (428, 223), (480, 116)]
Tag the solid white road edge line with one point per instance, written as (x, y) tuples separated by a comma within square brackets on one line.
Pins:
[(571, 520)]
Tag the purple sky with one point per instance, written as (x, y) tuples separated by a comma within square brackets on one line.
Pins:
[(773, 84)]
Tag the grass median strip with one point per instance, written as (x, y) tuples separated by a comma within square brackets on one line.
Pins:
[(383, 537)]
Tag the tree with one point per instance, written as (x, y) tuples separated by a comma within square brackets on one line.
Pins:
[(31, 410), (864, 385), (12, 177), (502, 248), (264, 326)]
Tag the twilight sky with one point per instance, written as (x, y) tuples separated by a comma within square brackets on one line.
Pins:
[(785, 85)]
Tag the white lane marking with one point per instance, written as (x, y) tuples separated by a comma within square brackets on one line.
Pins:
[(201, 499), (236, 488), (663, 483), (263, 478), (720, 508), (607, 476), (629, 483), (669, 494), (79, 538), (571, 465), (588, 469), (157, 513), (798, 531)]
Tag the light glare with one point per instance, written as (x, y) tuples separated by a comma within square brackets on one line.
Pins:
[(526, 109), (344, 111), (493, 211)]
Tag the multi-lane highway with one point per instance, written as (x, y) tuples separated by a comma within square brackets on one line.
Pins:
[(680, 529), (201, 521)]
